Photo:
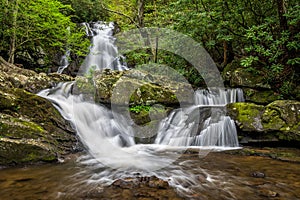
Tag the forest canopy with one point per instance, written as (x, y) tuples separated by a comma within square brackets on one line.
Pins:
[(263, 36)]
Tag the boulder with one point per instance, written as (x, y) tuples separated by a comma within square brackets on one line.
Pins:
[(31, 129), (16, 77), (241, 77), (262, 97), (255, 87), (277, 121), (134, 87)]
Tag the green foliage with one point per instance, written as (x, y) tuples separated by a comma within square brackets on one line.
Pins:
[(139, 108), (86, 10), (266, 41), (90, 74), (32, 24)]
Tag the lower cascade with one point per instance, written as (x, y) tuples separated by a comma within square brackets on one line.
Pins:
[(216, 129), (109, 137)]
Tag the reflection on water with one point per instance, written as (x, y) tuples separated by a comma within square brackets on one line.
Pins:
[(216, 176)]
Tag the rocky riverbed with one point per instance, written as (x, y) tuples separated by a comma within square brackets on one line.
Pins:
[(239, 174)]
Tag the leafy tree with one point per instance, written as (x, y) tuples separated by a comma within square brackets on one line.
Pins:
[(263, 34), (29, 25), (86, 10)]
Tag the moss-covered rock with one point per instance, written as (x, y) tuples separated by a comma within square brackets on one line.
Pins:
[(31, 129), (14, 77), (283, 118), (263, 97), (246, 115), (16, 151), (240, 77), (254, 83), (133, 87), (278, 121)]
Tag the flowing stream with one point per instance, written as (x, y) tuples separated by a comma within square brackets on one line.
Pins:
[(110, 137)]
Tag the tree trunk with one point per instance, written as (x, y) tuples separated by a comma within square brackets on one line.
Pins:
[(282, 6), (140, 14), (228, 54), (13, 39)]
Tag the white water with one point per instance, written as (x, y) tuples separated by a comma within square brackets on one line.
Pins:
[(64, 62), (109, 137), (103, 52), (217, 129)]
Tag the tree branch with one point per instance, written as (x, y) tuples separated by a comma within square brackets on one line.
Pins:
[(122, 14)]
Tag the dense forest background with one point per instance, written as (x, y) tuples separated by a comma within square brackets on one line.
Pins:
[(260, 36)]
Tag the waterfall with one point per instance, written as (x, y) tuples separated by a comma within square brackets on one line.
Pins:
[(64, 62), (109, 136), (214, 127), (103, 52)]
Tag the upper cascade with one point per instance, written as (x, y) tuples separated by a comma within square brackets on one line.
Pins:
[(103, 51)]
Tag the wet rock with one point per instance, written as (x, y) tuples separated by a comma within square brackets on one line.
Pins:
[(246, 115), (278, 121), (136, 188), (258, 174), (240, 77), (12, 76), (31, 129), (263, 97), (202, 178), (134, 87), (254, 85)]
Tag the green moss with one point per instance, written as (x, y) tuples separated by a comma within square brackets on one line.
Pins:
[(139, 108), (18, 152), (271, 120), (246, 114), (260, 96)]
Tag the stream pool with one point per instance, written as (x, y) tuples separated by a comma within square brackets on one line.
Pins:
[(216, 176)]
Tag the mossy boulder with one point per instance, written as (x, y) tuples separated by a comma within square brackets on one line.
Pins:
[(134, 87), (278, 121), (241, 77), (256, 88), (141, 96), (262, 97), (14, 77), (246, 115), (283, 118), (31, 129), (24, 151)]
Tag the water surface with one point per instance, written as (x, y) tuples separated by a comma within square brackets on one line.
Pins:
[(216, 176)]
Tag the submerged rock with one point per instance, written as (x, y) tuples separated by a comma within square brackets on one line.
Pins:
[(136, 188), (31, 129)]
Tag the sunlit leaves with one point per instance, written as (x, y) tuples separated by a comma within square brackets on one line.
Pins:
[(43, 24)]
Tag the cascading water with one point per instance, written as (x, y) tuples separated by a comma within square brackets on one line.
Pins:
[(109, 137), (103, 52), (64, 62), (217, 129)]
